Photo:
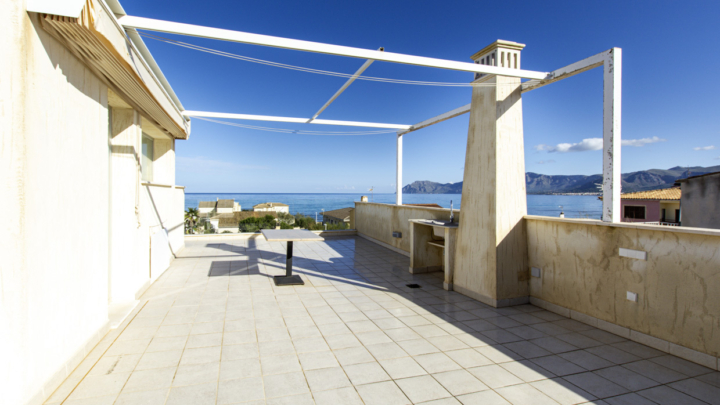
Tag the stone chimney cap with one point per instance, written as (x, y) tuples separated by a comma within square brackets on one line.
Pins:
[(500, 43)]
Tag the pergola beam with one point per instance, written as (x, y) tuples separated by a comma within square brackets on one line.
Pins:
[(344, 86), (567, 71), (612, 138), (440, 118), (249, 117), (308, 46)]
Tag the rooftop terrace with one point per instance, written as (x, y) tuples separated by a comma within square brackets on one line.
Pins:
[(214, 329)]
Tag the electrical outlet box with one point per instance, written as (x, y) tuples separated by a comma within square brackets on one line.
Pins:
[(397, 234), (631, 296), (536, 272)]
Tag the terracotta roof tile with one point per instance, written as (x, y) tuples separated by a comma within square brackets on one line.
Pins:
[(341, 213), (661, 194)]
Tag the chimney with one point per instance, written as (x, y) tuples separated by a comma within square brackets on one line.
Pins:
[(501, 54)]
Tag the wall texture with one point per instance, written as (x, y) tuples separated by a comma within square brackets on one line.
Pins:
[(677, 285), (701, 201), (379, 221), (54, 161)]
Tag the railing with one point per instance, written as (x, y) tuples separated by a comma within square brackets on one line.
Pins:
[(661, 223)]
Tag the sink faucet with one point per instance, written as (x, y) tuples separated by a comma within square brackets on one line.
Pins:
[(452, 213)]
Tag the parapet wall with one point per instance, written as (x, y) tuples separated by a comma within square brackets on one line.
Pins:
[(379, 221), (674, 271)]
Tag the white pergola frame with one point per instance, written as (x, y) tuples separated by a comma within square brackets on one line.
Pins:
[(611, 60)]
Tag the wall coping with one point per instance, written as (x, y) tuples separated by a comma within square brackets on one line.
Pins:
[(632, 225), (252, 235), (406, 206)]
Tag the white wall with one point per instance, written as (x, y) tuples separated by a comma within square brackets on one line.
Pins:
[(59, 167), (54, 161)]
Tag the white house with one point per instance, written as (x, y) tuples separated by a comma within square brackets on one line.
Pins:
[(272, 206), (219, 206), (89, 120)]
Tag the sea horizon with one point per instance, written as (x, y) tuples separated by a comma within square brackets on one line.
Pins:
[(313, 204)]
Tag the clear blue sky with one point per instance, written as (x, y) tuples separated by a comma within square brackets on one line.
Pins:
[(670, 90)]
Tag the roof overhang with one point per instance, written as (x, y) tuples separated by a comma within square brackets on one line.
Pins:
[(94, 36)]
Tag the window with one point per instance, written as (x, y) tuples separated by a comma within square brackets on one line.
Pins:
[(634, 212), (148, 146)]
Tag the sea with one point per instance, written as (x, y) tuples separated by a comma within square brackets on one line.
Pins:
[(574, 206)]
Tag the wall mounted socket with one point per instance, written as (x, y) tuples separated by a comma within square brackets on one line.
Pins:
[(397, 234), (631, 296), (536, 272)]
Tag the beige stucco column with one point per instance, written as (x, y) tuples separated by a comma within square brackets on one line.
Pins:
[(491, 256)]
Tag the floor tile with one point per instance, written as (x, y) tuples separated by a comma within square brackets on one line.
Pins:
[(317, 360), (495, 376), (596, 385), (436, 362), (242, 368), (366, 373), (525, 394), (327, 379), (246, 389), (353, 355), (345, 396), (402, 368), (201, 394), (460, 382), (154, 397), (483, 398), (654, 371), (281, 385), (146, 380), (626, 378), (422, 389), (382, 393), (280, 364), (665, 395), (698, 389), (527, 370), (563, 391)]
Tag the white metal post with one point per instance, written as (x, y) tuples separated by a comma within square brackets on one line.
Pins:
[(612, 139), (398, 172)]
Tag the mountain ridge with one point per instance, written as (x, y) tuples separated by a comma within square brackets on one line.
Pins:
[(573, 184)]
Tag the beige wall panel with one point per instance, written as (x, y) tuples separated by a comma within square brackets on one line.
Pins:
[(490, 261), (677, 285), (379, 221)]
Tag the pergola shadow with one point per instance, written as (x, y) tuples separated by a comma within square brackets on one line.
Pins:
[(353, 269)]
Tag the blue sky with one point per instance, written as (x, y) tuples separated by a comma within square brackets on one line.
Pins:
[(670, 92)]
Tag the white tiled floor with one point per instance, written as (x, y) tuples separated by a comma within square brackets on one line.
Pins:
[(216, 330)]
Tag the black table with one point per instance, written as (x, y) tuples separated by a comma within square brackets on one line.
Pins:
[(289, 236)]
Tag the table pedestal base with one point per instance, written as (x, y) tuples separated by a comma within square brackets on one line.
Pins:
[(288, 280)]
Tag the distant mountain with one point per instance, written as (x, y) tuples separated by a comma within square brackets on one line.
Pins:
[(546, 184)]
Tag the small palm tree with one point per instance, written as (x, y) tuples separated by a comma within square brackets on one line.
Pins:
[(191, 217)]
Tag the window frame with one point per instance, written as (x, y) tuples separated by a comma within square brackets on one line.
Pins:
[(146, 167), (644, 208)]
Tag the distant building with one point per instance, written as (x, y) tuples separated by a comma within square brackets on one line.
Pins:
[(206, 207), (425, 205), (229, 222), (272, 207), (662, 206), (338, 216), (218, 206), (701, 201)]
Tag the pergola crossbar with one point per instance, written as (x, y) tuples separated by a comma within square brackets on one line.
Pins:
[(317, 47)]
